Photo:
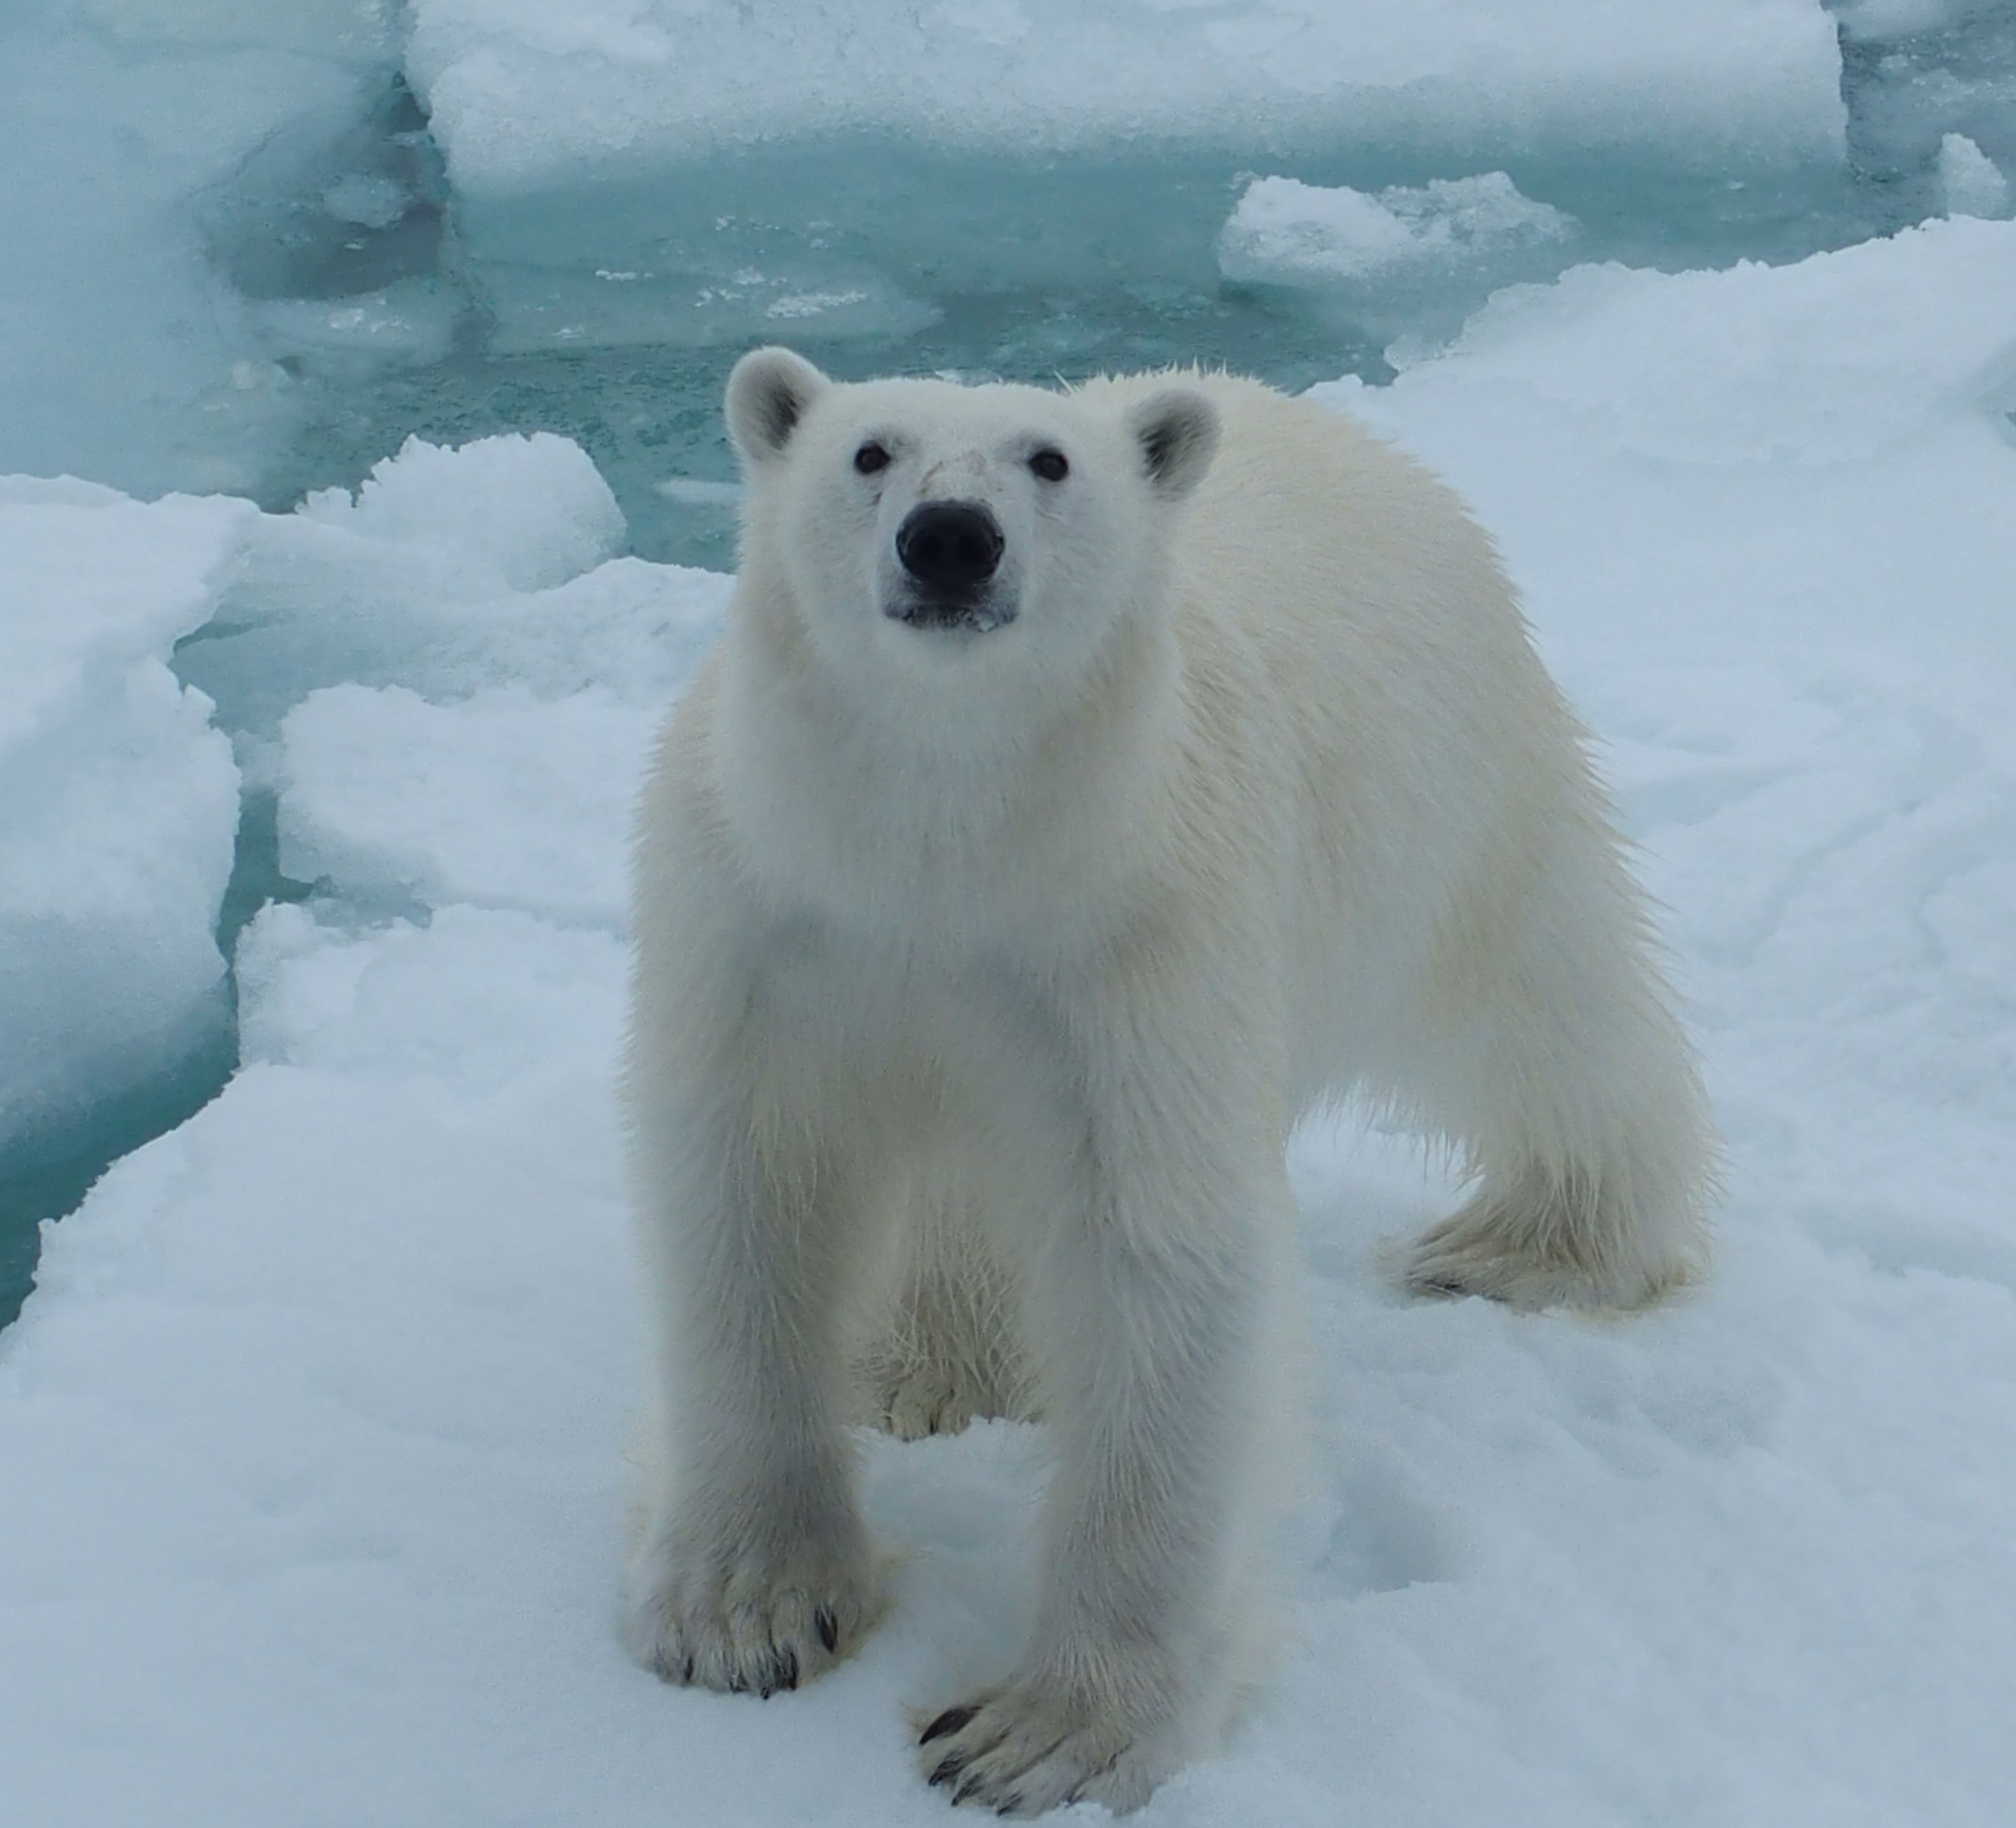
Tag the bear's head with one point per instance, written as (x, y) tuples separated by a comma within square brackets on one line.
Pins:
[(922, 526)]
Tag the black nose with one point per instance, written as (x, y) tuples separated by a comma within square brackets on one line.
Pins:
[(949, 545)]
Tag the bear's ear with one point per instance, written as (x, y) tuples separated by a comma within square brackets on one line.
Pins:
[(1177, 428), (768, 391)]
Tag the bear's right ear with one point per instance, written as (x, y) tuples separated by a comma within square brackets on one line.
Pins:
[(768, 391), (1178, 429)]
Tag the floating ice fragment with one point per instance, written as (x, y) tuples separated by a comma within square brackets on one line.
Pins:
[(1970, 185), (796, 304), (412, 321), (694, 491), (369, 201), (1288, 233)]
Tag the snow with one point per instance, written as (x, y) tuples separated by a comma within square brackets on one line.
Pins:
[(478, 498), (118, 801), (525, 96), (314, 1427), (498, 802)]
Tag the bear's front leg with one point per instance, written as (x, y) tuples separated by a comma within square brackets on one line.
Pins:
[(1159, 1311), (752, 1570)]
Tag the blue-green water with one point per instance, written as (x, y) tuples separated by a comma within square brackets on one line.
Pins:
[(50, 1177)]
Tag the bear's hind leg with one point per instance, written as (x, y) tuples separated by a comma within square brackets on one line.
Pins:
[(1574, 1093), (1547, 1239)]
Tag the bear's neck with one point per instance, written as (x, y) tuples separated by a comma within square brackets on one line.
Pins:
[(949, 829)]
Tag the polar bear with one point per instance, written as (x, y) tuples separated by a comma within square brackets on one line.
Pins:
[(1086, 784)]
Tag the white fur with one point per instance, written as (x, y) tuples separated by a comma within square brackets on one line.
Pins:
[(982, 976)]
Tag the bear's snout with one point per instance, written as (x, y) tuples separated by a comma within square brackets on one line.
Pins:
[(950, 548)]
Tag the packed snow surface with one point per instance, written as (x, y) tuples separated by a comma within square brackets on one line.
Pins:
[(314, 1428), (523, 94)]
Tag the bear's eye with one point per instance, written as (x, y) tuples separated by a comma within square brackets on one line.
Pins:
[(870, 458), (1050, 465)]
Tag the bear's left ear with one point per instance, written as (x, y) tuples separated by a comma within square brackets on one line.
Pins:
[(768, 391), (1177, 428)]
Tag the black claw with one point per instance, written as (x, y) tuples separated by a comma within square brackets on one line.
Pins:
[(686, 1670), (966, 1791), (1010, 1805), (948, 1769), (951, 1721), (787, 1669), (827, 1626)]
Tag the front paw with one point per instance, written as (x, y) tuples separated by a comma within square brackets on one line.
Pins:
[(1027, 1747), (751, 1616)]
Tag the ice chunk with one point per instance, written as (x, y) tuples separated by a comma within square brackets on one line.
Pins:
[(118, 801), (694, 491), (500, 801), (1286, 233), (1297, 234), (1969, 182), (1410, 260), (523, 96), (449, 570), (475, 498)]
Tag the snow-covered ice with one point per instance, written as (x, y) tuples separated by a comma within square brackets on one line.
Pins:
[(118, 800), (500, 801), (452, 570), (525, 96), (314, 1427)]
